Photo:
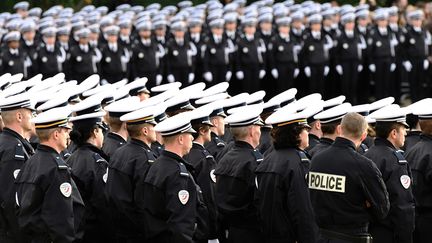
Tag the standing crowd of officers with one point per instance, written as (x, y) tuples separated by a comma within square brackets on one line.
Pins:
[(121, 163), (265, 45)]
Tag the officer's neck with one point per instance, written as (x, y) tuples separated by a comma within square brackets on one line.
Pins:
[(200, 140), (356, 141), (54, 144), (330, 136), (144, 139), (393, 141), (249, 140), (176, 148), (122, 132), (18, 129)]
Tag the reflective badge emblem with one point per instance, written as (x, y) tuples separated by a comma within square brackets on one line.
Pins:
[(11, 63), (66, 189), (345, 45), (105, 177), (212, 176), (378, 43), (15, 173), (327, 182), (245, 50), (405, 181), (412, 41), (212, 51), (79, 58), (108, 59), (141, 55), (280, 48), (44, 59), (175, 53), (183, 196), (311, 48)]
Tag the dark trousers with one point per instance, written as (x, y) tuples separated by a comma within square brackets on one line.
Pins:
[(418, 80), (251, 81), (349, 80), (237, 235), (422, 232), (317, 78), (384, 86), (286, 76), (218, 72), (151, 76), (181, 75)]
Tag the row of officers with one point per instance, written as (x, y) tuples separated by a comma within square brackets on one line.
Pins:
[(174, 179), (258, 53)]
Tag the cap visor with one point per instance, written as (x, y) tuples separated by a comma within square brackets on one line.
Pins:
[(190, 130)]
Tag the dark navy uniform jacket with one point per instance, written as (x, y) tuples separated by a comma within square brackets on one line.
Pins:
[(50, 206), (343, 184), (111, 143), (215, 145), (284, 203), (128, 167), (14, 152), (397, 177)]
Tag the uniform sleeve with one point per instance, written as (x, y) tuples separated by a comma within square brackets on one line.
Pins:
[(375, 190), (181, 204), (300, 209), (402, 201)]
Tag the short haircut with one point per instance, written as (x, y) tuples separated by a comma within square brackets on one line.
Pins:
[(45, 134), (8, 116), (287, 136), (353, 125), (134, 131), (329, 128), (197, 127), (114, 123), (239, 133), (383, 129), (426, 126)]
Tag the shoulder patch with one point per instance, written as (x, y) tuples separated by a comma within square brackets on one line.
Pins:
[(401, 158), (19, 152), (303, 157), (258, 155), (98, 158), (183, 170), (61, 164), (207, 154)]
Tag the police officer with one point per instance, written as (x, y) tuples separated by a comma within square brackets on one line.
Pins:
[(217, 118), (330, 126), (198, 38), (280, 176), (15, 151), (118, 134), (381, 53), (29, 44), (179, 55), (115, 58), (265, 33), (172, 212), (315, 54), (348, 56), (419, 158), (128, 167), (82, 58), (147, 56), (250, 53), (219, 48), (14, 60), (204, 166), (390, 128), (50, 207), (236, 171), (362, 28), (344, 200), (284, 58), (417, 48), (157, 146), (89, 170), (49, 56)]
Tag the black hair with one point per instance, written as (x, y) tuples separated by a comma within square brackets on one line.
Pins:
[(287, 136), (383, 129), (81, 133)]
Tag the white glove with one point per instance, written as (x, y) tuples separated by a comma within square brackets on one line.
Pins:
[(425, 64), (326, 70), (171, 78), (208, 76), (228, 76), (240, 75), (191, 77), (213, 241), (392, 67), (307, 71), (339, 69), (296, 72), (275, 73), (262, 73), (158, 79), (360, 68), (104, 81), (407, 65), (372, 67)]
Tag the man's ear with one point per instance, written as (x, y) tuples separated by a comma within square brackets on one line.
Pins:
[(339, 130), (318, 125), (144, 130), (364, 135), (19, 116)]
